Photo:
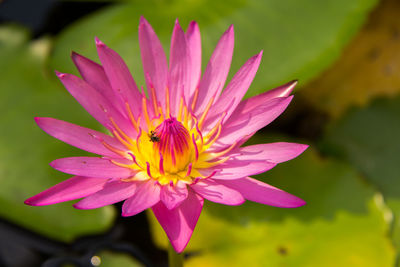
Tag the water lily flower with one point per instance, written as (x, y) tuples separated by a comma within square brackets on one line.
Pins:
[(179, 145)]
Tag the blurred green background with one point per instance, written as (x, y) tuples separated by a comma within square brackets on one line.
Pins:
[(346, 55)]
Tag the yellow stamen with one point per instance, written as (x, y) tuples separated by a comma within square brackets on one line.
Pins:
[(190, 120), (154, 98), (119, 129), (180, 109), (206, 164), (167, 102), (196, 94), (215, 128), (145, 113), (185, 117), (125, 143), (223, 152), (203, 116), (114, 149), (132, 118), (210, 143), (161, 113), (129, 166), (199, 135), (140, 176)]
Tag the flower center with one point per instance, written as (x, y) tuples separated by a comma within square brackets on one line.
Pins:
[(174, 148), (171, 141)]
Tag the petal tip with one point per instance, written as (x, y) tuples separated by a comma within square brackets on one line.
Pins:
[(292, 84), (300, 202), (37, 119), (35, 201), (143, 22), (230, 30), (193, 24), (304, 147), (178, 249), (98, 42), (78, 207), (295, 202), (125, 214), (53, 164), (74, 54), (29, 202), (59, 74), (177, 27)]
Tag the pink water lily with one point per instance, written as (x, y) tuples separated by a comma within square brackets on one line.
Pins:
[(179, 145)]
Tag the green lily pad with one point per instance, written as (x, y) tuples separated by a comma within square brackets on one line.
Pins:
[(25, 150), (300, 38), (343, 223), (369, 139), (376, 53)]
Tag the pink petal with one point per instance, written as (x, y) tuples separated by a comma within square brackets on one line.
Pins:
[(146, 196), (120, 77), (80, 137), (242, 124), (91, 167), (73, 188), (260, 192), (94, 103), (172, 196), (194, 43), (94, 75), (217, 192), (273, 152), (216, 71), (154, 60), (235, 169), (180, 222), (235, 90), (254, 102), (112, 192), (179, 66)]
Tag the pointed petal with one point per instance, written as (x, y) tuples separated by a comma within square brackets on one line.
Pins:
[(179, 66), (273, 152), (154, 60), (73, 188), (120, 77), (254, 102), (235, 90), (91, 167), (235, 169), (194, 43), (94, 75), (242, 124), (172, 196), (94, 103), (216, 71), (146, 196), (80, 137), (180, 222), (112, 192), (217, 192), (260, 192)]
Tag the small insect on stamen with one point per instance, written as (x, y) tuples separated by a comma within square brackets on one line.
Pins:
[(153, 137)]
